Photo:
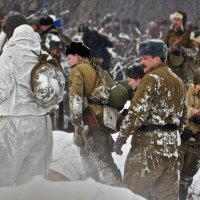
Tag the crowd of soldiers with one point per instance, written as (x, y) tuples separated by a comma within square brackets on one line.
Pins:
[(156, 118), (164, 96), (156, 158)]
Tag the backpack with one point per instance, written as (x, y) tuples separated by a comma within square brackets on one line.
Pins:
[(108, 92), (112, 96), (47, 81)]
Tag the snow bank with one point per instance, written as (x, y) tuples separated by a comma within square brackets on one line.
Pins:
[(67, 161), (41, 189)]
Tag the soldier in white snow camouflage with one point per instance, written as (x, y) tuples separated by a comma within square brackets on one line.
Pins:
[(25, 126), (155, 119)]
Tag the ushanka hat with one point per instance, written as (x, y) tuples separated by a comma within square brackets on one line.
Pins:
[(78, 48), (180, 15), (12, 22), (153, 47), (195, 36)]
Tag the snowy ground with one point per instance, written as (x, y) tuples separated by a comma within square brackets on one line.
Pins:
[(66, 160)]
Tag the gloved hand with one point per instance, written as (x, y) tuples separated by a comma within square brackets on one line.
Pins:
[(78, 137), (120, 141), (186, 134), (196, 120)]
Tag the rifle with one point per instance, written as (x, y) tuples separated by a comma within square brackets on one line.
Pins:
[(176, 45)]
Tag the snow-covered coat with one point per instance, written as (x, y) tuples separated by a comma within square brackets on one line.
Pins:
[(152, 164), (82, 81), (159, 100), (17, 61)]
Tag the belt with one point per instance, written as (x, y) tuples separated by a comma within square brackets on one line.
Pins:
[(152, 127)]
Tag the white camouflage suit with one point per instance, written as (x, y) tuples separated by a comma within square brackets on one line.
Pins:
[(25, 128)]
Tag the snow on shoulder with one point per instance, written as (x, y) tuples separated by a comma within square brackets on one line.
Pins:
[(40, 189)]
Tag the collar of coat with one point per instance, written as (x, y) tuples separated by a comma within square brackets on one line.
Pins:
[(84, 60), (158, 66)]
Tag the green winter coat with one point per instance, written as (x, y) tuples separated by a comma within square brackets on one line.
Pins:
[(160, 99), (152, 163), (172, 36), (176, 56), (82, 81)]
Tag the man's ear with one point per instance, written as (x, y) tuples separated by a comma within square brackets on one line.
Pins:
[(158, 59)]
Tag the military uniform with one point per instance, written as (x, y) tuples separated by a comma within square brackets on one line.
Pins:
[(52, 43), (155, 119), (96, 152), (190, 146), (179, 58)]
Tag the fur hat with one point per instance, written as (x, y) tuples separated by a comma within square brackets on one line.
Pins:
[(12, 22), (135, 71), (153, 47), (45, 21), (195, 36), (78, 48), (180, 15)]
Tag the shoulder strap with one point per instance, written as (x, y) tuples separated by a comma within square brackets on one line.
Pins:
[(42, 57), (95, 63)]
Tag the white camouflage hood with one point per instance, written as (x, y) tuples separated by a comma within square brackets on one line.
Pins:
[(18, 60)]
